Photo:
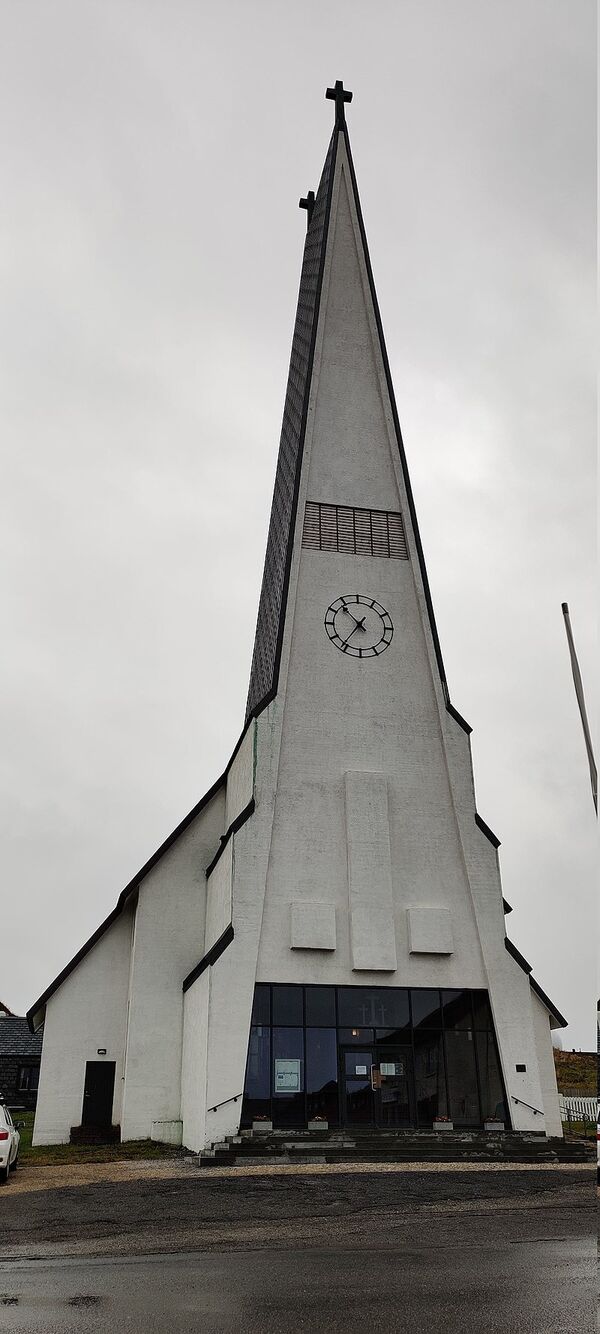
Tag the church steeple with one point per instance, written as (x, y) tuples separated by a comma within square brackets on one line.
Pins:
[(283, 528), (338, 872)]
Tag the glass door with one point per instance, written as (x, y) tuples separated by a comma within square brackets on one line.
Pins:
[(358, 1068), (393, 1081)]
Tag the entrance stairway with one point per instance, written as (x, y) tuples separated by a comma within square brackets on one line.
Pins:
[(402, 1146)]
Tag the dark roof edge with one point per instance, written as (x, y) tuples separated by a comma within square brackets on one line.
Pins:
[(522, 962), (485, 829), (516, 954), (556, 1014), (233, 829), (137, 879), (210, 957), (506, 908), (466, 727), (403, 459), (271, 693)]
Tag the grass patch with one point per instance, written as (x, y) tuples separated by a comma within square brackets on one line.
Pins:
[(577, 1072), (50, 1155), (25, 1131), (579, 1130)]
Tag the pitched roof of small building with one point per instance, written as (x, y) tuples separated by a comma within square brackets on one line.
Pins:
[(16, 1038)]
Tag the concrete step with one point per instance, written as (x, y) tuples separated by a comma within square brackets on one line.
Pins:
[(418, 1150), (394, 1146), (95, 1135)]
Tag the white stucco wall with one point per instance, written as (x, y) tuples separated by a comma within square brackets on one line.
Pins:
[(194, 1062), (87, 1012), (545, 1056), (168, 943)]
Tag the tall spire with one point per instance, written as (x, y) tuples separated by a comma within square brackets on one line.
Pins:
[(273, 598)]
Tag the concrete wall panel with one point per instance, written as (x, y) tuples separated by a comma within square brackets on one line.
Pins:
[(219, 890), (240, 779), (545, 1056)]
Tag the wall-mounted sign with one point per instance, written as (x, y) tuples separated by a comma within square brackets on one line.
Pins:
[(360, 1069), (392, 1068), (288, 1076)]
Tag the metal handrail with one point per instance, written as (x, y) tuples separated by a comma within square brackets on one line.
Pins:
[(536, 1110), (225, 1100)]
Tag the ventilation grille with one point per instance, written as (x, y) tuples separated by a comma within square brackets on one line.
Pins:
[(356, 532)]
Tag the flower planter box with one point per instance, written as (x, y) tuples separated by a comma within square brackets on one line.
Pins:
[(493, 1125), (443, 1125), (318, 1125), (262, 1127)]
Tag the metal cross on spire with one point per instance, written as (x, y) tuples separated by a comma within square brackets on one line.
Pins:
[(308, 203), (339, 95)]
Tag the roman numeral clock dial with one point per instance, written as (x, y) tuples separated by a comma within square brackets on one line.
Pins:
[(359, 626)]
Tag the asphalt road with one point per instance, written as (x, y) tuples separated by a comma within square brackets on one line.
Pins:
[(445, 1252), (529, 1286)]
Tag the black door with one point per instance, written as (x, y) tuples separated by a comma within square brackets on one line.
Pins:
[(98, 1092)]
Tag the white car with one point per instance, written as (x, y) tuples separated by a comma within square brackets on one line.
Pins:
[(9, 1143)]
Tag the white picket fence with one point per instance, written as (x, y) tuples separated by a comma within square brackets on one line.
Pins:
[(578, 1109)]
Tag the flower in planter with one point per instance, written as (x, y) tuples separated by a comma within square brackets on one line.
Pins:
[(318, 1118), (261, 1118), (442, 1118)]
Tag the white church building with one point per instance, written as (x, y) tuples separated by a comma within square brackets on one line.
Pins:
[(323, 935)]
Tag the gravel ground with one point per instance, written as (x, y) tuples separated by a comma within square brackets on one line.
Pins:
[(137, 1208), (32, 1178)]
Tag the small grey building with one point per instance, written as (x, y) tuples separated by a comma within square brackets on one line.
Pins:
[(20, 1055)]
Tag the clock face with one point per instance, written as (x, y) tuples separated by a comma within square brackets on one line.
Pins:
[(359, 626)]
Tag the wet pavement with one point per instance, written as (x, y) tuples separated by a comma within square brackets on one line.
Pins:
[(476, 1252), (532, 1285)]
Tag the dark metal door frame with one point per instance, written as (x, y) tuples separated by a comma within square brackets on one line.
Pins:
[(378, 1053), (359, 1049)]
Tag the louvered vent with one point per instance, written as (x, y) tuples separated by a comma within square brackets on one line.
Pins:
[(354, 531)]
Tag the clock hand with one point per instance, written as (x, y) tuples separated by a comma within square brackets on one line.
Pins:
[(359, 624), (352, 632)]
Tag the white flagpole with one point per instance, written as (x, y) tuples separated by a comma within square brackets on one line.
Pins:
[(581, 702)]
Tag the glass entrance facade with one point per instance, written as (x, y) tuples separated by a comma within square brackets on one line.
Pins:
[(378, 1056)]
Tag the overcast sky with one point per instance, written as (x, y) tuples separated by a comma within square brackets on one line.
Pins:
[(154, 153)]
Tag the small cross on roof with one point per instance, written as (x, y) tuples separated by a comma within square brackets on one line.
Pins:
[(339, 95), (308, 203)]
